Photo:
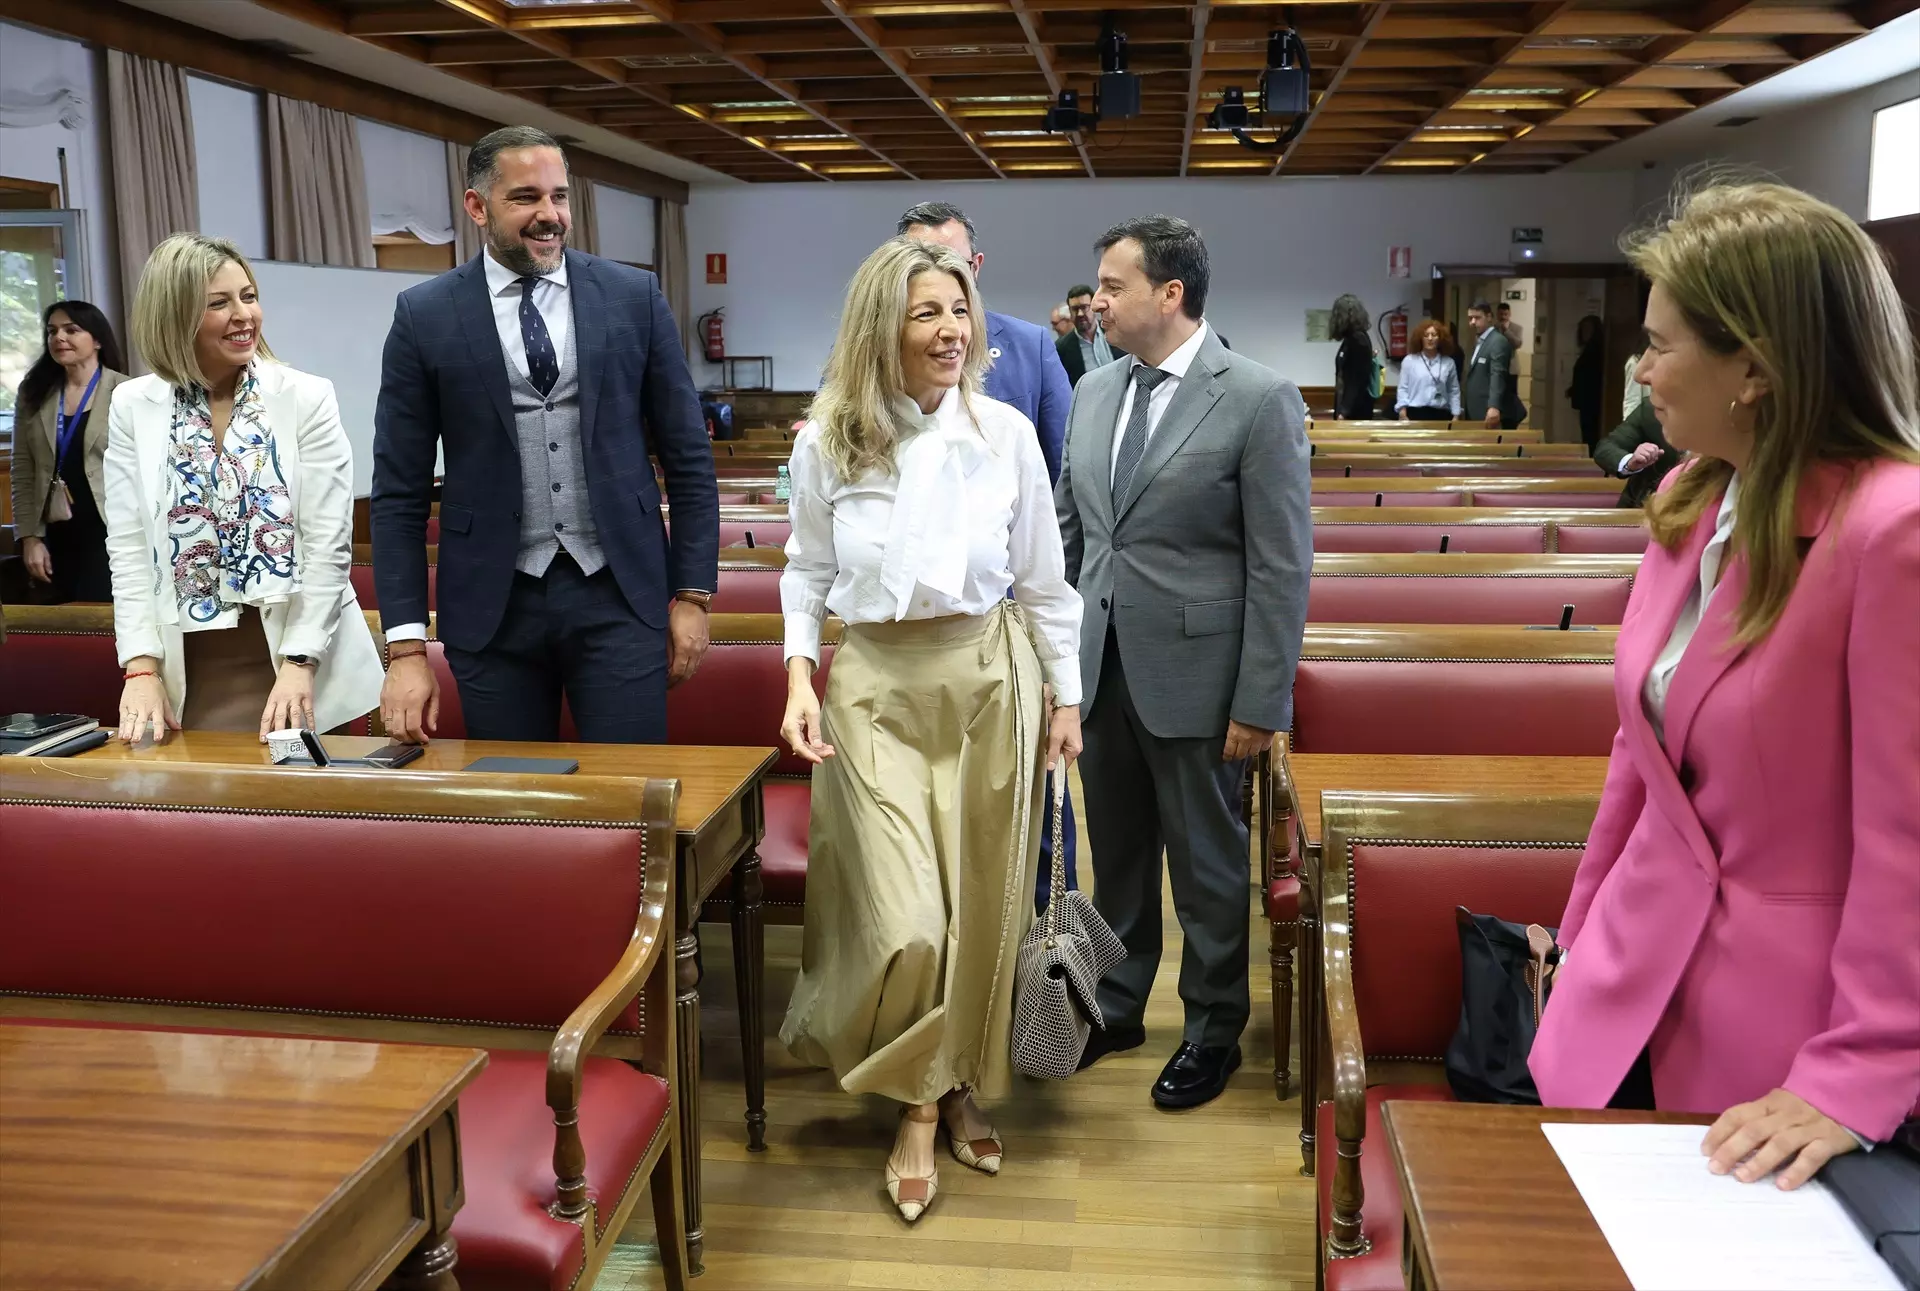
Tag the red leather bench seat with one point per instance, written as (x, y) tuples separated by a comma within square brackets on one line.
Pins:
[(1453, 707), (748, 591), (46, 672), (1602, 539), (766, 533), (1474, 539), (1385, 499), (1517, 599), (508, 1240), (1377, 472)]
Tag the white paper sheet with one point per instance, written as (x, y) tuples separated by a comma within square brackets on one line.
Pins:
[(1674, 1226)]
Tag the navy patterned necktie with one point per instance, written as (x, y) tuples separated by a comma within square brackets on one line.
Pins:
[(543, 365), (1133, 444)]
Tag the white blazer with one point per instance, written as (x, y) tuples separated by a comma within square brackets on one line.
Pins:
[(324, 619)]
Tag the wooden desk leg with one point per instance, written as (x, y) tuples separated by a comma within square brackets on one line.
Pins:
[(749, 974), (441, 1190), (686, 954), (428, 1267)]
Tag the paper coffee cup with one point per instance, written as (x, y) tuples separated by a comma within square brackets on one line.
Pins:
[(286, 745)]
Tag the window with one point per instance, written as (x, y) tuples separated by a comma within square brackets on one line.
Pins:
[(1893, 180)]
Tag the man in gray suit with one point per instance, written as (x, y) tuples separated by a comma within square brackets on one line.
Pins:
[(1490, 392), (1183, 506)]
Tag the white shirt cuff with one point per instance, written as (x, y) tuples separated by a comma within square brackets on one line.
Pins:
[(407, 632), (803, 636), (1064, 675)]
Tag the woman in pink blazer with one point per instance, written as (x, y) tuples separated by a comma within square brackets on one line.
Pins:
[(1744, 929)]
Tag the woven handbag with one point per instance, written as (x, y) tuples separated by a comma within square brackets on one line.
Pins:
[(1062, 959)]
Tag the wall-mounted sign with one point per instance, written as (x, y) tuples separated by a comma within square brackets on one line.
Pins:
[(1319, 324), (717, 268), (1529, 235), (1516, 293), (1399, 262)]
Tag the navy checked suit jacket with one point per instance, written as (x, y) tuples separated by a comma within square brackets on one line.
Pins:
[(444, 382)]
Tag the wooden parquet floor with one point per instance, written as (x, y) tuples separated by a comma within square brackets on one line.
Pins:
[(1100, 1188)]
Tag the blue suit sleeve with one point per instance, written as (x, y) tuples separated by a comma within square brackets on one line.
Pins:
[(1056, 397), (678, 437), (406, 432)]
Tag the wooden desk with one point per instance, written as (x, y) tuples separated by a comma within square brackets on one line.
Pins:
[(1489, 1207), (139, 1159), (1307, 775), (720, 822)]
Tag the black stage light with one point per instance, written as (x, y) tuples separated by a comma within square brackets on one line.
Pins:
[(1065, 117), (1283, 87), (1119, 92), (1231, 112)]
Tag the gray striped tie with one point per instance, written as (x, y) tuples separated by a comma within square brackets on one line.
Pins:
[(1133, 444)]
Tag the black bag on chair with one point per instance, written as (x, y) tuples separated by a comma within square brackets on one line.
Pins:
[(1506, 971)]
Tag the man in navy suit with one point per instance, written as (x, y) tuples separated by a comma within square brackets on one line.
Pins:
[(1026, 373), (548, 378)]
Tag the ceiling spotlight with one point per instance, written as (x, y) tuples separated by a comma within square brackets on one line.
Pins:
[(1065, 117), (1231, 112)]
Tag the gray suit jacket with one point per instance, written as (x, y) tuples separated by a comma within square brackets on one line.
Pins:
[(1490, 382), (1204, 573)]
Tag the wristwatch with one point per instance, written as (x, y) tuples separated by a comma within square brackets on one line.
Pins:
[(304, 660), (703, 599)]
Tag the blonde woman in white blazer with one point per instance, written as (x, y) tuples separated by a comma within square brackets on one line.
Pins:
[(229, 484)]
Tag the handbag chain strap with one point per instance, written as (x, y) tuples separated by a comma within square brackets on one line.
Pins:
[(1057, 885)]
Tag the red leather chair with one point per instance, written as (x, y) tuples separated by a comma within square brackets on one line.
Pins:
[(368, 595), (1454, 706), (736, 499), (1390, 969), (1494, 498), (421, 916), (1516, 598), (1474, 539), (766, 533), (1357, 499), (747, 591), (1598, 539)]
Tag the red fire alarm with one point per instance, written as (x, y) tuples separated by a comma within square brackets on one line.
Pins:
[(716, 268)]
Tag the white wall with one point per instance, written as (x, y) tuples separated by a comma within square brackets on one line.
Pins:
[(624, 224), (1821, 147), (229, 162), (32, 64), (1277, 248)]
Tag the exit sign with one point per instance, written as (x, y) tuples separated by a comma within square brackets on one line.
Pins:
[(716, 268)]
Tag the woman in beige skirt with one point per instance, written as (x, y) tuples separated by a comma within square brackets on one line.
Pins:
[(917, 505)]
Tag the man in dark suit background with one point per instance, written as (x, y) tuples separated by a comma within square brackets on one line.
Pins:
[(1638, 452), (547, 377), (1086, 347), (1490, 392)]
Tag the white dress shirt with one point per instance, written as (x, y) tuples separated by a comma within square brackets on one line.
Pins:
[(1653, 696), (554, 301), (966, 515), (1175, 365)]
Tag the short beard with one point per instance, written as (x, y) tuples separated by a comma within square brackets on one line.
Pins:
[(510, 251)]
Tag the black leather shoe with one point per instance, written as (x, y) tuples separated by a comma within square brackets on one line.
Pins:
[(1105, 1040), (1195, 1075)]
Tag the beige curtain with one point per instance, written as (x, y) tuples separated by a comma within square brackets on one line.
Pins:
[(585, 235), (671, 223), (150, 134), (316, 187), (466, 234)]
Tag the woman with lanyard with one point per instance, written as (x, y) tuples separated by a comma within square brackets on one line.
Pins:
[(1429, 380), (58, 445)]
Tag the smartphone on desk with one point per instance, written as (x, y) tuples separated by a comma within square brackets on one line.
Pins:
[(394, 755)]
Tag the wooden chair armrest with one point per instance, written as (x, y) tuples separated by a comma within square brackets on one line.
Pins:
[(652, 935), (1347, 1059)]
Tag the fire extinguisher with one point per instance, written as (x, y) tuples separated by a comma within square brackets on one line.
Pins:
[(1395, 332), (713, 339)]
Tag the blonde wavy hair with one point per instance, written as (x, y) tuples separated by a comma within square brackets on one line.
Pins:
[(172, 297), (1803, 290), (855, 412)]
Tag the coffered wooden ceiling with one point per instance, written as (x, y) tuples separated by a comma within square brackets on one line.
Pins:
[(783, 90)]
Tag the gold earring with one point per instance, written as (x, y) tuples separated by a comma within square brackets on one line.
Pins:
[(1733, 407)]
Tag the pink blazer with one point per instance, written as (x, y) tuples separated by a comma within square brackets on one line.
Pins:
[(1748, 906)]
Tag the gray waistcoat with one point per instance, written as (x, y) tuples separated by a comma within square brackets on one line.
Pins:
[(554, 510)]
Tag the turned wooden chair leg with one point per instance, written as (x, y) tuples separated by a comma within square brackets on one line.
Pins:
[(749, 972), (1284, 935)]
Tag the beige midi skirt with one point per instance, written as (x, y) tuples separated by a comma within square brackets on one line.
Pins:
[(920, 866)]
